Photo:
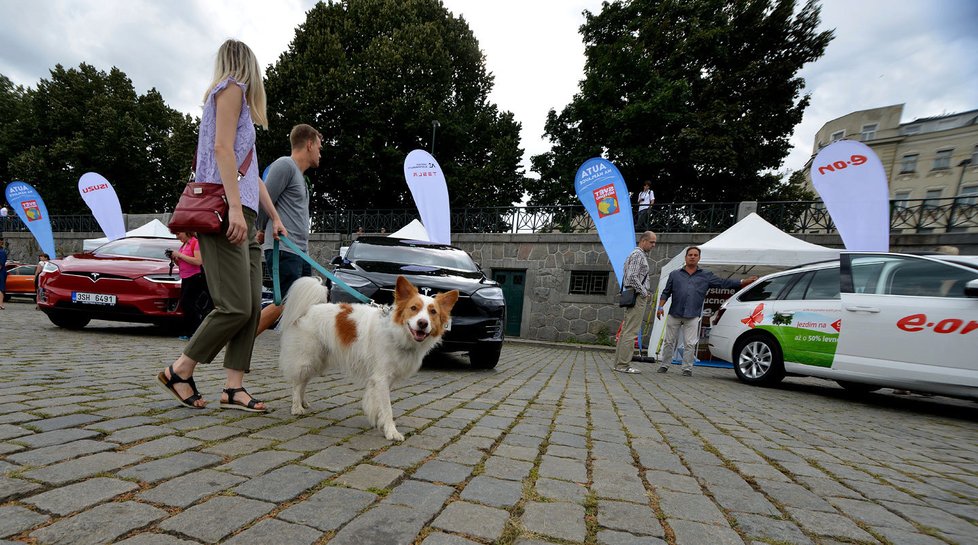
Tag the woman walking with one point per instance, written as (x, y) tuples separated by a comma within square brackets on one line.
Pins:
[(233, 104)]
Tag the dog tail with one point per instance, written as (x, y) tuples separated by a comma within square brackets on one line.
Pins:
[(304, 293)]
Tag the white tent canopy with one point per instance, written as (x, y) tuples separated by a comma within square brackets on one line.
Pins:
[(413, 231), (751, 242), (154, 228)]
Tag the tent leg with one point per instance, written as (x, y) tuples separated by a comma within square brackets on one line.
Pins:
[(641, 333)]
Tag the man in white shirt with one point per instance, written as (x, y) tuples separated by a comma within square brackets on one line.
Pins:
[(645, 200)]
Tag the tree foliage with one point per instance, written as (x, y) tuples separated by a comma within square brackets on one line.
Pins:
[(86, 120), (699, 96), (372, 75)]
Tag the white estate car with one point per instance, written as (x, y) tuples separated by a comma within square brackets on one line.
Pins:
[(868, 320)]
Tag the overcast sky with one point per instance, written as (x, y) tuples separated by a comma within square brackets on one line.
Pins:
[(917, 52)]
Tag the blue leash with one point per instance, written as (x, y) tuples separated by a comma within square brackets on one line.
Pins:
[(277, 287)]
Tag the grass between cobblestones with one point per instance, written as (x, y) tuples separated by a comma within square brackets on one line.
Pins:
[(654, 503), (550, 398)]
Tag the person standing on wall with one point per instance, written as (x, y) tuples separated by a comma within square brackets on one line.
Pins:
[(287, 188), (687, 287), (646, 198), (636, 272)]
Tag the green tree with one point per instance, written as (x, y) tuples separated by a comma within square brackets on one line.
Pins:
[(372, 76), (786, 208), (86, 120), (12, 113), (699, 96)]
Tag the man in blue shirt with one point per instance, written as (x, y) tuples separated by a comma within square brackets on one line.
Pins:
[(687, 287)]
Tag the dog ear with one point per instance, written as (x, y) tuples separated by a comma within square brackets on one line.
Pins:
[(447, 300), (404, 290)]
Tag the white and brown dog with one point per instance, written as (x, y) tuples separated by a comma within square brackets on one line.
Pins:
[(375, 346)]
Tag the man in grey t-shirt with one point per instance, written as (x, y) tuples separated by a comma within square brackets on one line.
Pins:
[(286, 184)]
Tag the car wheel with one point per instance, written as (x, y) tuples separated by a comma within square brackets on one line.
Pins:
[(758, 360), (69, 321), (858, 387), (484, 358)]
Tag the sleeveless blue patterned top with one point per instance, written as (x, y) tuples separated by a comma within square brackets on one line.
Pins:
[(244, 142)]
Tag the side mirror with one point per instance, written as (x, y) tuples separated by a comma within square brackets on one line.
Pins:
[(338, 260), (971, 288)]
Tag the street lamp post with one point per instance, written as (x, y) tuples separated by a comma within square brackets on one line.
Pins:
[(964, 166), (434, 125), (957, 192)]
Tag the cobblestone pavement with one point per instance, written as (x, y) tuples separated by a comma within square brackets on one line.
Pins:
[(550, 447)]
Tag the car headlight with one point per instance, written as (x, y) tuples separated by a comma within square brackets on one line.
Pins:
[(49, 267), (354, 281), (489, 296), (163, 279)]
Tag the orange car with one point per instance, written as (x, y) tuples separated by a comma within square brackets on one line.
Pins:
[(20, 281)]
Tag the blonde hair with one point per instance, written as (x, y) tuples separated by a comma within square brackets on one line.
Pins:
[(236, 60)]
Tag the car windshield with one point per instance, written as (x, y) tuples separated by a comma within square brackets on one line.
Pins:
[(137, 247), (439, 257)]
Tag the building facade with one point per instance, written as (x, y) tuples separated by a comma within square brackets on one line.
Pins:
[(931, 161)]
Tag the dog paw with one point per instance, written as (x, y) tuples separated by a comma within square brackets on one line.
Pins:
[(393, 435), (299, 410), (305, 404)]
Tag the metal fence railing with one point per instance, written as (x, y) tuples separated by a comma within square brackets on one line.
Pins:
[(59, 224), (906, 216)]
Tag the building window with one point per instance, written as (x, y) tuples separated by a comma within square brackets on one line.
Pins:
[(968, 195), (900, 199), (911, 129), (909, 164), (974, 157), (589, 283), (869, 131), (930, 200), (838, 135), (942, 160)]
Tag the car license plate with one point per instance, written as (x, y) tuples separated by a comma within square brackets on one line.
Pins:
[(92, 298)]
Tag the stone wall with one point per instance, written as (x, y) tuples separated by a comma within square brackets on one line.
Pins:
[(550, 312)]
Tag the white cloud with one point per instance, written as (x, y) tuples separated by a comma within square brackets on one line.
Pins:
[(535, 52), (915, 52)]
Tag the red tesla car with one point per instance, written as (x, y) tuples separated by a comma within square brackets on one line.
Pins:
[(126, 280)]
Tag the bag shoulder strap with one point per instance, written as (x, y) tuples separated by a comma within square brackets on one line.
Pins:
[(241, 169), (621, 289)]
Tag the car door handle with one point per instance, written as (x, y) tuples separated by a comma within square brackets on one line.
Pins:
[(861, 308)]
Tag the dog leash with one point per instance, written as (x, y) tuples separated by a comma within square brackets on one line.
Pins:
[(277, 287)]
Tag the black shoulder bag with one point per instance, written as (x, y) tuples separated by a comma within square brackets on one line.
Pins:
[(627, 296)]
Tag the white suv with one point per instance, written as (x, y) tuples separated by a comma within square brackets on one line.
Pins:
[(867, 321)]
